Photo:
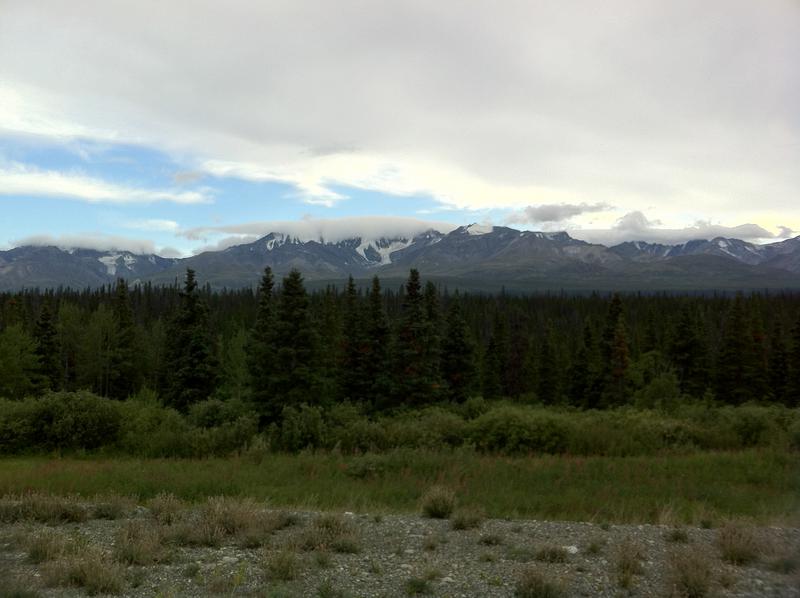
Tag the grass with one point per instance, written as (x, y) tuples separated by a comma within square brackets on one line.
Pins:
[(438, 503), (418, 586), (760, 485), (552, 554), (139, 543), (330, 532), (627, 563), (282, 565), (689, 575), (533, 584), (92, 571), (49, 545), (738, 544), (467, 518), (677, 535)]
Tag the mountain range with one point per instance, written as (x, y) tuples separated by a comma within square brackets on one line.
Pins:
[(473, 257)]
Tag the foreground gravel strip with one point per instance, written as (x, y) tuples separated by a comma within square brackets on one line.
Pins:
[(410, 555)]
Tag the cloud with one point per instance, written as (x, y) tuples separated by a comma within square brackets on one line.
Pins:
[(635, 226), (555, 212), (784, 232), (96, 241), (689, 106), (185, 177), (329, 229), (152, 224), (23, 180)]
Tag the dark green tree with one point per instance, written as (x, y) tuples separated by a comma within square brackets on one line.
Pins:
[(778, 365), (47, 349), (548, 389), (296, 377), (355, 385), (191, 365), (736, 359), (495, 360), (584, 380), (689, 354), (377, 332), (458, 355), (793, 385), (416, 372), (261, 352), (123, 376)]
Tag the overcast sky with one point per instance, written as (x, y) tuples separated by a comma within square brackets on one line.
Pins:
[(179, 125)]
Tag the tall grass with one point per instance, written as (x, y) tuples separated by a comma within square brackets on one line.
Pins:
[(761, 485)]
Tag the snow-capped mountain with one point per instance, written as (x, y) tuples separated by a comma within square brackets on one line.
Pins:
[(474, 256)]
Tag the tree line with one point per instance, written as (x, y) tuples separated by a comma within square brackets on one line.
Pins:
[(280, 345)]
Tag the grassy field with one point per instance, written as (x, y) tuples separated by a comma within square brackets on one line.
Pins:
[(760, 485)]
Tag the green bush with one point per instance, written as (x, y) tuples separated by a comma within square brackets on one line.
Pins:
[(301, 427), (517, 430)]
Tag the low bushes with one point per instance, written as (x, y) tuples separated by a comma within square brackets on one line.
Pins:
[(142, 427)]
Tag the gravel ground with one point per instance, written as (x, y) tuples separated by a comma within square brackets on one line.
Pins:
[(399, 555)]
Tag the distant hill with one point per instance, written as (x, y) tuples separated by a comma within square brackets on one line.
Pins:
[(473, 257)]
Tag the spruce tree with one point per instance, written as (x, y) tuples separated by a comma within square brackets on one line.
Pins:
[(416, 378), (584, 384), (793, 385), (688, 353), (458, 355), (735, 362), (47, 349), (548, 388), (191, 366), (778, 366), (261, 352), (354, 384), (377, 370), (615, 355), (123, 373), (495, 359), (296, 377)]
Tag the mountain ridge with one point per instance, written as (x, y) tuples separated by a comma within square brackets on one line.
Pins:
[(472, 256)]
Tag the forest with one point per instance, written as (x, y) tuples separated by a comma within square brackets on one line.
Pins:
[(282, 358)]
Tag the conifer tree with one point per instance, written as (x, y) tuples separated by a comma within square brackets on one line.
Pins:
[(191, 366), (458, 355), (123, 374), (735, 362), (19, 364), (416, 378), (615, 354), (355, 385), (778, 366), (262, 350), (548, 389), (583, 375), (378, 336), (495, 359), (296, 377), (47, 349), (688, 352), (793, 385)]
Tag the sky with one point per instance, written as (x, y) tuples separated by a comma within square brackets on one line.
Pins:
[(174, 127)]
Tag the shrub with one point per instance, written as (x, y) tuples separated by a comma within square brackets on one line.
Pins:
[(417, 586), (43, 508), (738, 545), (533, 584), (48, 545), (282, 566), (438, 503), (91, 571), (330, 532), (552, 554), (689, 575), (627, 563), (166, 508), (301, 427), (467, 518), (138, 543), (518, 430)]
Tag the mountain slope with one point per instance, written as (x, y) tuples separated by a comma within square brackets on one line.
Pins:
[(476, 257)]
